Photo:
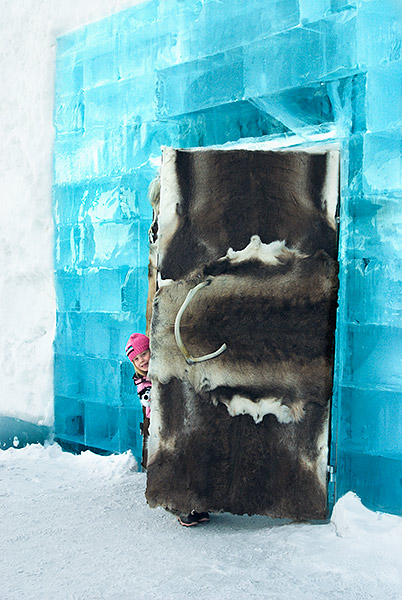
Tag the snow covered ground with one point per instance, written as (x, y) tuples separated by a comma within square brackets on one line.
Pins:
[(78, 528)]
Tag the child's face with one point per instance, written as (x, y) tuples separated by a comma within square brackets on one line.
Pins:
[(142, 360)]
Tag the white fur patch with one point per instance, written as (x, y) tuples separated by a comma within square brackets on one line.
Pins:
[(154, 191), (319, 465), (164, 282), (170, 198), (330, 189), (155, 427), (239, 405), (322, 460), (269, 254)]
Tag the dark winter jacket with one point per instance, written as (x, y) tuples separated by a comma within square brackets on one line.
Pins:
[(144, 392)]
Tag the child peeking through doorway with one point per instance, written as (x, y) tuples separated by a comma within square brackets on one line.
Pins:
[(137, 350)]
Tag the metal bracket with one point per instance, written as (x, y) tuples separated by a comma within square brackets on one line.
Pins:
[(332, 473)]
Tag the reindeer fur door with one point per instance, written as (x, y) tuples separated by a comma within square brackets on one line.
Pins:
[(247, 430)]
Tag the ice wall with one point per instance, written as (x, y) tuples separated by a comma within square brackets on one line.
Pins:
[(199, 73)]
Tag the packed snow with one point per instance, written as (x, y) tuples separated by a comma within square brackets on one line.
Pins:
[(78, 528)]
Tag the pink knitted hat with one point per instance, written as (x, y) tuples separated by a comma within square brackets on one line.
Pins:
[(137, 343)]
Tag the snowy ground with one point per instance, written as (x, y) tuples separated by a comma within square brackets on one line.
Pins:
[(78, 528)]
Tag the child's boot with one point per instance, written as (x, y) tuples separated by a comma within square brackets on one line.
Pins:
[(193, 518), (188, 520)]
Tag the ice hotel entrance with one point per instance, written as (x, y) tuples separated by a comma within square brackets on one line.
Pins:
[(201, 74)]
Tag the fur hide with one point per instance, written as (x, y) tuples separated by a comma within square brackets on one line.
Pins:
[(246, 431)]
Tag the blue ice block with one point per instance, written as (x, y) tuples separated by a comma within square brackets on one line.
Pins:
[(109, 106), (338, 5), (375, 357), (134, 188), (99, 289), (131, 195), (358, 103), (106, 334), (67, 375), (70, 333), (339, 36), (179, 38), (142, 145), (384, 88), (70, 43), (298, 109), (379, 32), (69, 114), (62, 249), (160, 27), (200, 84), (359, 237), (382, 167), (143, 246), (100, 63), (347, 97), (134, 290), (69, 418), (100, 201), (108, 199), (69, 202), (98, 153), (128, 390), (223, 26), (102, 426), (78, 157), (373, 291), (298, 58), (389, 227), (129, 428), (375, 479), (107, 244), (225, 123), (145, 14), (142, 53), (75, 246), (69, 76), (68, 290), (313, 10), (353, 150), (97, 378), (371, 421), (239, 120)]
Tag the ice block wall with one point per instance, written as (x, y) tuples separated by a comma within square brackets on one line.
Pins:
[(197, 73)]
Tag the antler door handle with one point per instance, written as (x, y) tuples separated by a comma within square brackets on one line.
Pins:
[(191, 359)]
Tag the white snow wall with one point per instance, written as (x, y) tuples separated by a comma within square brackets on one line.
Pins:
[(28, 31)]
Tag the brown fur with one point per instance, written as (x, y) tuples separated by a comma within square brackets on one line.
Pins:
[(276, 195), (277, 320)]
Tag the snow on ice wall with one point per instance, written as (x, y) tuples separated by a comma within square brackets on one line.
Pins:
[(199, 73)]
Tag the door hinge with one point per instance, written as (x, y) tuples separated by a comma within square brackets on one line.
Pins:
[(332, 473)]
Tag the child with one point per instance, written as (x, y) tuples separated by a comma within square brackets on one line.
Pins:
[(137, 350)]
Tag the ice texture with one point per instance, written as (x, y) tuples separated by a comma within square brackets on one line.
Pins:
[(202, 73)]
